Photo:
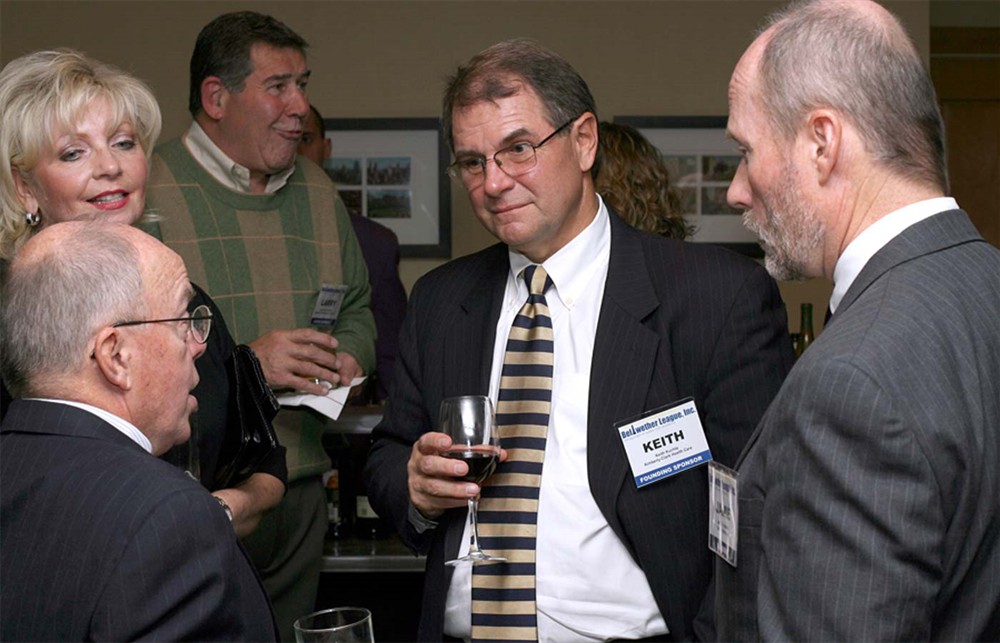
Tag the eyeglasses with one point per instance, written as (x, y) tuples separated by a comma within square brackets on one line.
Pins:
[(199, 323), (514, 160)]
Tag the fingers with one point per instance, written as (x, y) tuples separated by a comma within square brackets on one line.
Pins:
[(301, 359), (433, 480), (311, 336), (348, 368)]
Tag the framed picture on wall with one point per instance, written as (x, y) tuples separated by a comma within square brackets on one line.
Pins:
[(702, 163), (392, 170)]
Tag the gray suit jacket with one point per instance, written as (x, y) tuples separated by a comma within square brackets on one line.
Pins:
[(102, 541), (869, 504)]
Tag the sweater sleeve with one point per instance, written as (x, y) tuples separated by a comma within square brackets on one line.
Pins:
[(355, 328)]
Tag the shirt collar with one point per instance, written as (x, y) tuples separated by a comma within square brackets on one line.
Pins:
[(571, 267), (876, 236), (224, 169), (122, 425)]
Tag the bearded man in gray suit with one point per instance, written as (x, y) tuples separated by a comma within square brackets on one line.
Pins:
[(868, 495)]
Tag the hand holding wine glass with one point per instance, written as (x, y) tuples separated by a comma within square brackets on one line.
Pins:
[(468, 421)]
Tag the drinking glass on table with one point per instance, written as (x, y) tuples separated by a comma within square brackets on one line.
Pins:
[(337, 625), (468, 420)]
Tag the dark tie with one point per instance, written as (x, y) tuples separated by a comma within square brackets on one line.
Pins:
[(503, 594)]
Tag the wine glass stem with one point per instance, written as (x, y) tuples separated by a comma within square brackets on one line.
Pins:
[(473, 510)]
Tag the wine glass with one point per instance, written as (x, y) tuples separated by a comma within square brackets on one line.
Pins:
[(468, 420), (337, 625)]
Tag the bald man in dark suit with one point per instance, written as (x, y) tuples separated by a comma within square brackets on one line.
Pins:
[(101, 539)]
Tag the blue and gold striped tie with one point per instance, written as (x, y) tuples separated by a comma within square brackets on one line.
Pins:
[(503, 594)]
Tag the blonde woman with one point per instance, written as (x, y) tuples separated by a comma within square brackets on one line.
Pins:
[(75, 141)]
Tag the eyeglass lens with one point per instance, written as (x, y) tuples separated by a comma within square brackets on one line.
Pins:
[(201, 323), (514, 160)]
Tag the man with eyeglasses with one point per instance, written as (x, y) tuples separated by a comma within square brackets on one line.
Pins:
[(642, 329), (102, 540)]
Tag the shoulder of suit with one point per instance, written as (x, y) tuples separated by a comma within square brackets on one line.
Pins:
[(465, 271), (693, 257), (376, 230)]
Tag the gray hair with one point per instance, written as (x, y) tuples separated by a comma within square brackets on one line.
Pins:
[(505, 68), (54, 304), (826, 54), (46, 92)]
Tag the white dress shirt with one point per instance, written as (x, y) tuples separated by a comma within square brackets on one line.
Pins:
[(124, 426), (876, 236), (588, 588), (224, 169)]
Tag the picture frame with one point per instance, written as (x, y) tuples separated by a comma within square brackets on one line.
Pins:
[(392, 170), (702, 163)]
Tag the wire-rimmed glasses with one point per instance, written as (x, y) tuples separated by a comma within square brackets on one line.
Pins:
[(514, 160), (199, 323)]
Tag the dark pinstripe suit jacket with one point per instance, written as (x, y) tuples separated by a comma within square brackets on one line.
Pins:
[(102, 541), (869, 501), (677, 320)]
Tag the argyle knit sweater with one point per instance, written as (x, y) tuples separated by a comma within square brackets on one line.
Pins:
[(263, 259)]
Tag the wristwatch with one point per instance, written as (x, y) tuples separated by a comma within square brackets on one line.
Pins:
[(225, 507)]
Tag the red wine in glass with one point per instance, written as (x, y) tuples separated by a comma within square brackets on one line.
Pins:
[(469, 421), (481, 462)]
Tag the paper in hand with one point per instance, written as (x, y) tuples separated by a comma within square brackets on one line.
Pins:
[(330, 405)]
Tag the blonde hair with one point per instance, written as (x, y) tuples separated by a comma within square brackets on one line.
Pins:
[(46, 92)]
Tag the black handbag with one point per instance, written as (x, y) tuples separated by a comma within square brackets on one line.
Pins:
[(250, 437)]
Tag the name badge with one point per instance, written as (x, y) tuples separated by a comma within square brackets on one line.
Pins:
[(328, 305), (664, 443), (723, 519)]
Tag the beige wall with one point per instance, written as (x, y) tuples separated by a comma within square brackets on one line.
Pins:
[(388, 59)]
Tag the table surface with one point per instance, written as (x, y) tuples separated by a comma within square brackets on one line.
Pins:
[(355, 419), (387, 554)]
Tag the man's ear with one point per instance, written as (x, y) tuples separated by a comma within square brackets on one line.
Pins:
[(824, 138), (214, 96), (113, 357), (585, 140), (24, 191)]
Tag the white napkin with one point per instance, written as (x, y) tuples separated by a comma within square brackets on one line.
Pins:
[(329, 405)]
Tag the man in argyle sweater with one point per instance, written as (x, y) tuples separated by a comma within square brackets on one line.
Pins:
[(263, 234)]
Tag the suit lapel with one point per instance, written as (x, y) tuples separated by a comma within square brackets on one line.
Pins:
[(625, 355), (930, 235), (470, 356)]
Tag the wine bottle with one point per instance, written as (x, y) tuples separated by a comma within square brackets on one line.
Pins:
[(337, 528), (805, 330), (367, 523), (366, 520), (339, 450)]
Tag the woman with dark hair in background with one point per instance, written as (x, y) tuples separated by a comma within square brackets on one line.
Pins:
[(633, 179)]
